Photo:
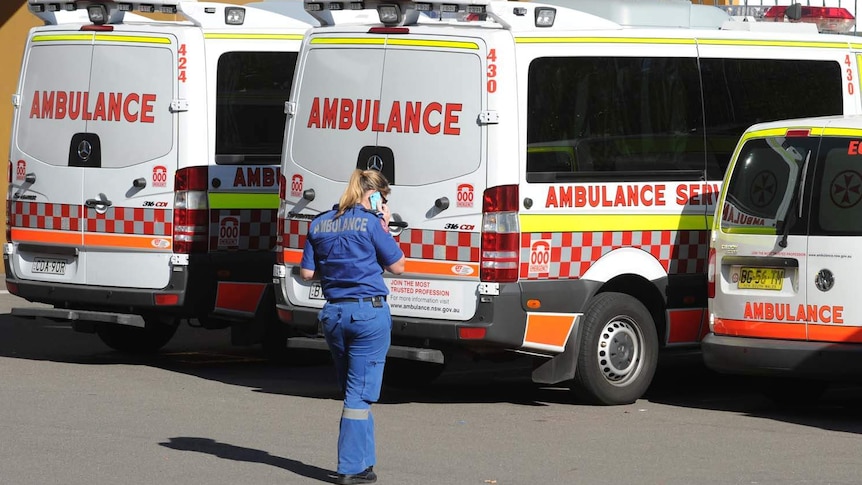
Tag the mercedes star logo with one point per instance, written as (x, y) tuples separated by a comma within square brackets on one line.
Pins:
[(85, 149), (375, 163)]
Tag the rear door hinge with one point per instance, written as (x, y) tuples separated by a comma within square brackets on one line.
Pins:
[(489, 118), (290, 108), (179, 105)]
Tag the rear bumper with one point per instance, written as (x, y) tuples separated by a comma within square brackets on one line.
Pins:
[(788, 358)]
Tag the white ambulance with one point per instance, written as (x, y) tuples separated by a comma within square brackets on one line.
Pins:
[(144, 166), (784, 254), (554, 170)]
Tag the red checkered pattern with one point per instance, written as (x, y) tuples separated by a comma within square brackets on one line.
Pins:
[(130, 220), (417, 244), (39, 215), (572, 254), (258, 228)]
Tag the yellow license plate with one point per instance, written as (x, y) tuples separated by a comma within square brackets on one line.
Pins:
[(761, 278)]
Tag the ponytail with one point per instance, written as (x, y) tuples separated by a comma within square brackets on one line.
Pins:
[(360, 182)]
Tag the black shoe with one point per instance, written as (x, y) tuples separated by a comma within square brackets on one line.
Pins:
[(367, 476)]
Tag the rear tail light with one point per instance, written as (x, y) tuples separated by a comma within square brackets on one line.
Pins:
[(191, 211), (500, 235), (710, 274), (9, 204), (282, 213)]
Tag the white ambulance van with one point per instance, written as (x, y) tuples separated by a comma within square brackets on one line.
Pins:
[(785, 254), (144, 166), (554, 169)]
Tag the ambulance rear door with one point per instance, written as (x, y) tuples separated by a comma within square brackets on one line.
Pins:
[(410, 105), (128, 178), (834, 263), (761, 253)]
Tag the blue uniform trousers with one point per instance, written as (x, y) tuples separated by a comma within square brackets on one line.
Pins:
[(358, 335)]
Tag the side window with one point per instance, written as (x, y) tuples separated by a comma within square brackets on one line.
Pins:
[(838, 189), (625, 114), (251, 89), (741, 92), (763, 187)]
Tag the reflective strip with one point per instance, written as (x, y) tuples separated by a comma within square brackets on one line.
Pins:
[(621, 222), (292, 256), (239, 297), (443, 268), (774, 43), (46, 236), (747, 328), (101, 38), (243, 201), (62, 37), (254, 36), (356, 414), (448, 44), (153, 243), (132, 38), (548, 331), (602, 40)]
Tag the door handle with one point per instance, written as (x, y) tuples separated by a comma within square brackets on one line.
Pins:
[(92, 203)]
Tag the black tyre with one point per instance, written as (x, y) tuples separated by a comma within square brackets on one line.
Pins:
[(403, 373), (136, 340), (619, 350)]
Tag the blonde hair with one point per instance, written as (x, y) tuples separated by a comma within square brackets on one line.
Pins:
[(360, 182)]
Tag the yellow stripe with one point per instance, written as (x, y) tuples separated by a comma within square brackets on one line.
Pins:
[(243, 201), (602, 40), (254, 36), (449, 44), (61, 37), (673, 41), (101, 37), (349, 40), (773, 43), (132, 38), (627, 222)]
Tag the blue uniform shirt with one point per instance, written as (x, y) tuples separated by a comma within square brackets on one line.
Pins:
[(349, 253)]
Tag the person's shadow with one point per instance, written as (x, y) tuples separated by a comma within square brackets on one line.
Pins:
[(231, 452)]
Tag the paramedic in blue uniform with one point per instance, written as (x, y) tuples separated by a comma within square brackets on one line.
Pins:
[(348, 248)]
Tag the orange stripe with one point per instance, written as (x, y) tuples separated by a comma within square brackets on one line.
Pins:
[(834, 333), (46, 236), (154, 243), (415, 266), (685, 325), (547, 329), (292, 256), (746, 328), (442, 268)]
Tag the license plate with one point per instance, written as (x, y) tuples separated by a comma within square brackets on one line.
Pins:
[(760, 278), (48, 266), (316, 292)]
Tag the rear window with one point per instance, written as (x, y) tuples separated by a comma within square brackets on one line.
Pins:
[(763, 187), (251, 90)]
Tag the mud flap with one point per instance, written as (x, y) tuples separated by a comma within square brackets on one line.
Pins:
[(561, 367)]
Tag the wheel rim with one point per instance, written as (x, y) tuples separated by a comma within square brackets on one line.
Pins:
[(620, 348)]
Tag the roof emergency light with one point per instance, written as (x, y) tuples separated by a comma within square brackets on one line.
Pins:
[(234, 15), (831, 20), (100, 12), (545, 16)]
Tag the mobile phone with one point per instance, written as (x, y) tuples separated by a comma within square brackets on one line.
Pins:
[(376, 201)]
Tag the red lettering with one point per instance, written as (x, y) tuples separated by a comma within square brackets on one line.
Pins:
[(115, 103), (363, 117), (412, 116), (60, 107), (376, 125), (130, 116), (394, 118), (239, 178), (838, 314), (346, 119), (330, 113), (748, 313), (147, 101), (85, 106), (450, 120), (47, 104), (431, 129), (75, 105), (253, 177), (551, 199), (99, 110), (314, 115), (853, 148), (34, 106), (566, 196)]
